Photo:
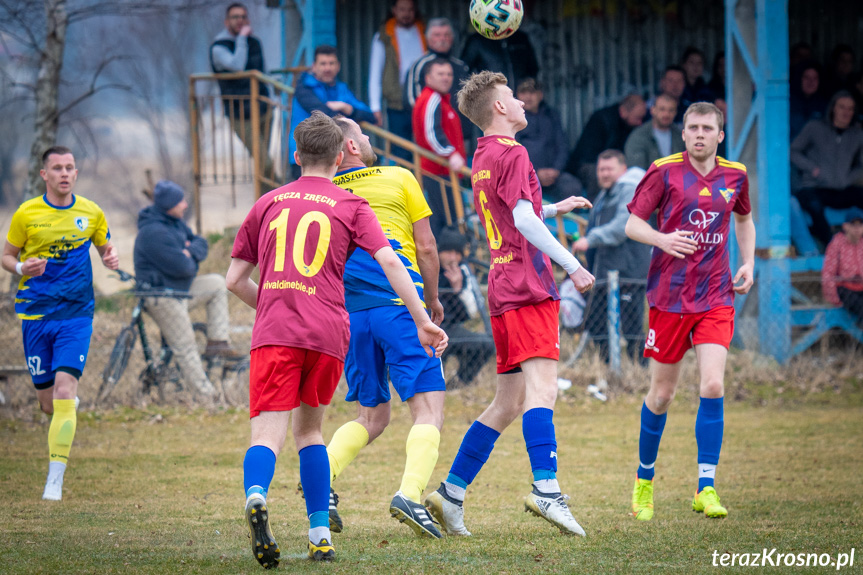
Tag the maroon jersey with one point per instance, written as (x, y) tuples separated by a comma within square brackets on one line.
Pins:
[(300, 236), (520, 274), (688, 201)]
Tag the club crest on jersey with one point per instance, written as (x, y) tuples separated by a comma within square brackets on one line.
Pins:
[(82, 223), (727, 193)]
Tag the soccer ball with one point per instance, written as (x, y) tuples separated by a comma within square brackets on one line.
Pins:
[(496, 19)]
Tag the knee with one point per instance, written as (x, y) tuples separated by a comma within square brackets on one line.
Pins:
[(660, 400), (507, 411), (376, 423), (47, 409), (712, 388)]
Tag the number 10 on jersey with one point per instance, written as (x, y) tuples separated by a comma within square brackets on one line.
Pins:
[(280, 224)]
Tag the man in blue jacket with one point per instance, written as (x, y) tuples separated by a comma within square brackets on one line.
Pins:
[(319, 90), (167, 255)]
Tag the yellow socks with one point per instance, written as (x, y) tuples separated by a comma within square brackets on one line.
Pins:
[(62, 430), (422, 452), (346, 443)]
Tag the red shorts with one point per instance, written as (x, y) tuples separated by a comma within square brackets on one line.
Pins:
[(281, 377), (526, 332), (670, 334)]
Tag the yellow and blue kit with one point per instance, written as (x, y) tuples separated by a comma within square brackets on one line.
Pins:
[(57, 307), (397, 200)]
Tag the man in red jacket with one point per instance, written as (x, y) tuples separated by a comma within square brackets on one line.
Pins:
[(437, 128)]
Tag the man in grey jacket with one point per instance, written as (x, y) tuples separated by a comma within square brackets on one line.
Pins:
[(829, 155), (167, 255), (608, 248), (657, 138)]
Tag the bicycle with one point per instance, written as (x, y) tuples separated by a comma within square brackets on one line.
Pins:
[(161, 370)]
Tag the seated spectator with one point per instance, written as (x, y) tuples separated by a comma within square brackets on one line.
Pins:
[(672, 83), (608, 248), (607, 129), (167, 255), (842, 274), (657, 138), (799, 53), (546, 143), (319, 90), (828, 154), (472, 348), (696, 89), (437, 128), (805, 101), (717, 78)]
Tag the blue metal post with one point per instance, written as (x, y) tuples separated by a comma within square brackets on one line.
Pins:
[(319, 27), (767, 123), (614, 321)]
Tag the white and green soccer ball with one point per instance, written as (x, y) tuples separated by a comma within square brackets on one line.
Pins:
[(496, 19)]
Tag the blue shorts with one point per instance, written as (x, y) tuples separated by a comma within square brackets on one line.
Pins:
[(385, 339), (51, 345)]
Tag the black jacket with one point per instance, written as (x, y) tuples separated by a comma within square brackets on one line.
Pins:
[(605, 130), (544, 139), (513, 57), (159, 258)]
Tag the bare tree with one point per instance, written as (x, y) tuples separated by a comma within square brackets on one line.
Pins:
[(45, 35)]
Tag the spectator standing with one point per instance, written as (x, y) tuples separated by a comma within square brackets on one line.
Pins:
[(828, 154), (840, 73), (657, 138), (672, 83), (235, 49), (437, 128), (318, 89), (514, 57), (842, 273), (607, 129), (48, 245), (440, 37), (546, 143), (608, 248), (696, 89), (805, 102), (167, 256), (398, 43), (472, 348)]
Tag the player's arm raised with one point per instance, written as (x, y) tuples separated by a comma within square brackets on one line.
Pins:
[(429, 334), (677, 243), (745, 230), (239, 282)]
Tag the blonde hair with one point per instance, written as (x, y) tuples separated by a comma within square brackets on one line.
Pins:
[(319, 140), (477, 96), (703, 109)]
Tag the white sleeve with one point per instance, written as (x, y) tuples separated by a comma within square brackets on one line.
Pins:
[(534, 230), (234, 61), (376, 72)]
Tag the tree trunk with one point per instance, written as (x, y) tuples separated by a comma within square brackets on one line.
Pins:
[(47, 90)]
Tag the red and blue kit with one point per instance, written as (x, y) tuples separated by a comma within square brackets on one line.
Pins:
[(688, 201), (520, 274), (300, 236)]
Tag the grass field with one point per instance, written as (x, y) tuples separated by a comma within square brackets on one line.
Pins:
[(160, 491)]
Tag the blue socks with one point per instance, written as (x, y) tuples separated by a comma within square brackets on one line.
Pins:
[(709, 425), (538, 430), (315, 477), (472, 454), (652, 426), (259, 466)]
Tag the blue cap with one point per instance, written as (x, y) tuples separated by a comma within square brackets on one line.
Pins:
[(167, 194), (853, 214)]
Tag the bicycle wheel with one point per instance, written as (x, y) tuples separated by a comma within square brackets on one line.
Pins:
[(117, 363)]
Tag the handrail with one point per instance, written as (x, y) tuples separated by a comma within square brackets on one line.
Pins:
[(260, 76)]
